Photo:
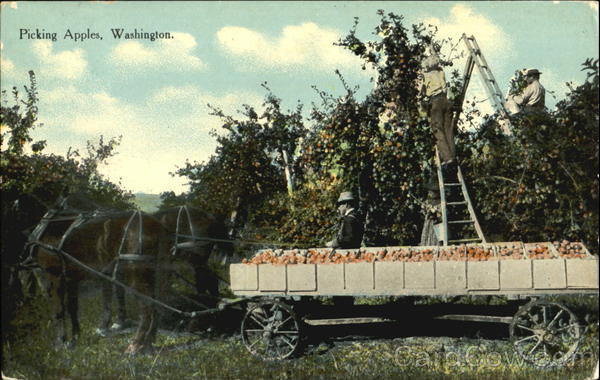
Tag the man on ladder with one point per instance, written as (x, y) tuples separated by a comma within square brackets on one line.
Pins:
[(439, 109), (443, 118)]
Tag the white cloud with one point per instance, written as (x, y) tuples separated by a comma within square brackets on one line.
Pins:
[(189, 105), (157, 135), (89, 114), (173, 54), (191, 96), (7, 65), (67, 64), (298, 47), (493, 41)]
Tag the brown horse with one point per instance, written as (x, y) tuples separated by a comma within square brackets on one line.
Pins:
[(196, 233), (128, 246)]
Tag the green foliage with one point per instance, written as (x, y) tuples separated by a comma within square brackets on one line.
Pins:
[(169, 199), (47, 175), (383, 146), (517, 83), (306, 218), (248, 167), (540, 184), (18, 121)]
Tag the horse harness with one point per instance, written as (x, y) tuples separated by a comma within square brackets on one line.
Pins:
[(53, 215), (78, 220), (192, 240)]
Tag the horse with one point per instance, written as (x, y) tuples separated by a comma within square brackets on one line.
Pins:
[(196, 234), (128, 246)]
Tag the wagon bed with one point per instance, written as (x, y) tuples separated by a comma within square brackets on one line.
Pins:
[(496, 276), (279, 284)]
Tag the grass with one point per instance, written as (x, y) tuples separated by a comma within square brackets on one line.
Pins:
[(31, 355)]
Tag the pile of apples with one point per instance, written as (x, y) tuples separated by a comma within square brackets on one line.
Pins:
[(540, 252), (480, 254), (453, 253), (506, 251), (571, 250), (510, 252), (410, 255)]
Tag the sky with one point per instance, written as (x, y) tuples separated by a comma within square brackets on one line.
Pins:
[(155, 93)]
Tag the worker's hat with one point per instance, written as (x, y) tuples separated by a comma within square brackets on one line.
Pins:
[(346, 196), (532, 72)]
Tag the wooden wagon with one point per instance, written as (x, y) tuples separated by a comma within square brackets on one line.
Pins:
[(543, 332)]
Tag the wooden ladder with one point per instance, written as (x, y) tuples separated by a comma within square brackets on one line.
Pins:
[(465, 201), (476, 58)]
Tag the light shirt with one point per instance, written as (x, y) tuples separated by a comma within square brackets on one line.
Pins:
[(435, 82), (533, 96)]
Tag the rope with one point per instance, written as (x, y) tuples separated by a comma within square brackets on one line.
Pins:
[(184, 209), (246, 241), (127, 288)]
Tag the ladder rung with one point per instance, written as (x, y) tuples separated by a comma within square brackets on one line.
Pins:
[(460, 221), (463, 240), (456, 203), (452, 184)]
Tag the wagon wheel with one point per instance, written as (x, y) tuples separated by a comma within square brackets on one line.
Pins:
[(271, 330), (545, 333)]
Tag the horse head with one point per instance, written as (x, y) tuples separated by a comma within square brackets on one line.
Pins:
[(196, 237)]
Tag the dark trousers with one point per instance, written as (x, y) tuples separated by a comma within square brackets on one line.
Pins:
[(440, 115)]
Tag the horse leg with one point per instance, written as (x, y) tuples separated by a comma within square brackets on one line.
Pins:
[(57, 297), (107, 293), (40, 280), (20, 285), (73, 307), (146, 332), (121, 312)]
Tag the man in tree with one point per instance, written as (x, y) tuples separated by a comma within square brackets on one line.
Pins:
[(438, 107), (350, 230), (533, 97)]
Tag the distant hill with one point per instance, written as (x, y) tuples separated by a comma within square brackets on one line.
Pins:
[(147, 202)]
